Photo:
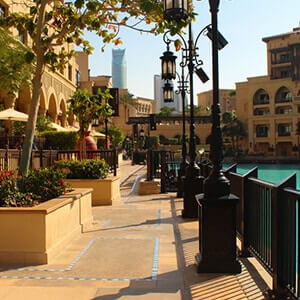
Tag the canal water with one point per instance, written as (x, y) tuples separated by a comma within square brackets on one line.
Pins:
[(273, 173)]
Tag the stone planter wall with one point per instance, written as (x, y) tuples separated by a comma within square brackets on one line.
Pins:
[(34, 235), (105, 191)]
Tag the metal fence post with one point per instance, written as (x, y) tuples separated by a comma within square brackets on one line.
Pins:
[(115, 161), (149, 165), (163, 172)]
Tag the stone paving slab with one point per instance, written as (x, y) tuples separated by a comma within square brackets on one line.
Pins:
[(138, 249)]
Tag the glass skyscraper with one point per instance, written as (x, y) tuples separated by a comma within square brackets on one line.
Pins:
[(119, 69)]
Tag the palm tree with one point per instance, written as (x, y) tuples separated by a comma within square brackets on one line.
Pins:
[(128, 100), (298, 133), (233, 128), (166, 111)]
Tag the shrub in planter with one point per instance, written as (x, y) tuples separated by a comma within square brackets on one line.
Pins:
[(44, 184), (10, 196), (60, 140), (84, 169), (38, 186)]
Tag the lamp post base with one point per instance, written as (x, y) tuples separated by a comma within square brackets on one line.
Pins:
[(193, 185), (217, 235)]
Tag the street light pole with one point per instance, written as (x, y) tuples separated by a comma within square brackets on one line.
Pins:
[(216, 185), (182, 90), (217, 206), (193, 182)]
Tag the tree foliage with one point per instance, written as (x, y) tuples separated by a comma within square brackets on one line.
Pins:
[(88, 108), (15, 67), (116, 136), (166, 111), (233, 128), (53, 25)]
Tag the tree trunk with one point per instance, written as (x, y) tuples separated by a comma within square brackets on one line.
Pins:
[(33, 112), (36, 90)]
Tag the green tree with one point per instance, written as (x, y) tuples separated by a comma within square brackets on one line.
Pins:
[(298, 133), (15, 67), (233, 128), (53, 25), (88, 108), (43, 123), (116, 136), (128, 100), (198, 110), (166, 111)]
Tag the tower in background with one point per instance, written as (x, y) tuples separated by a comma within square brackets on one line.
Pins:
[(119, 69)]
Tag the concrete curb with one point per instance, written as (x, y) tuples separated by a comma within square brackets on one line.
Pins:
[(131, 173)]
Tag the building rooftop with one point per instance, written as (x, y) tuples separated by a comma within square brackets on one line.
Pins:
[(282, 35)]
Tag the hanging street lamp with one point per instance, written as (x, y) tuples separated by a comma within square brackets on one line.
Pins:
[(168, 93), (168, 65), (176, 10)]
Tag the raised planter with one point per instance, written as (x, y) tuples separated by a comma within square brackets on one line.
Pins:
[(105, 191), (34, 235)]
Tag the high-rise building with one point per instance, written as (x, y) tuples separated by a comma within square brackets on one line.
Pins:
[(119, 69)]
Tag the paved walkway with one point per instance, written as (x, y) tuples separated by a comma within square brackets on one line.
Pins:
[(138, 248)]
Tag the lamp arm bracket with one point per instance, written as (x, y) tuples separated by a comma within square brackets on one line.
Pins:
[(198, 36), (168, 40)]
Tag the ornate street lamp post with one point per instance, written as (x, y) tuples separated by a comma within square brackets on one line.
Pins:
[(193, 182), (216, 206), (169, 97)]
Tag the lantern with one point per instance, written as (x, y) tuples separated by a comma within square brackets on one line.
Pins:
[(175, 10), (168, 92), (168, 66)]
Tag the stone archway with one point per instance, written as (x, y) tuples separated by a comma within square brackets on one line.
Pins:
[(52, 109), (42, 106), (23, 101), (62, 114)]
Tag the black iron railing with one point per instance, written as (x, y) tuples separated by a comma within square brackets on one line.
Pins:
[(10, 158)]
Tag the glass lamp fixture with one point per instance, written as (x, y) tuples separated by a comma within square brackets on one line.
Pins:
[(175, 10), (168, 93), (168, 66)]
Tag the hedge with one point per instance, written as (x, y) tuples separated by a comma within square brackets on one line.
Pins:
[(60, 140)]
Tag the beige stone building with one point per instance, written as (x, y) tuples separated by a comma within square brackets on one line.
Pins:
[(269, 105), (227, 100), (56, 87), (143, 106)]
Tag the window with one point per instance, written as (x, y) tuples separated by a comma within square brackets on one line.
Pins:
[(2, 10), (261, 97), (284, 58), (284, 129), (283, 95), (22, 36), (284, 110), (262, 130), (70, 75), (284, 74), (77, 77)]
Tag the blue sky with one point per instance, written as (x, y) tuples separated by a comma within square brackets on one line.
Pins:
[(243, 23)]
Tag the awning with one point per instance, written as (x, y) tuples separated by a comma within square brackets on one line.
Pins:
[(60, 128), (13, 115)]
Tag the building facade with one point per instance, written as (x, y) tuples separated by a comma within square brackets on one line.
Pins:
[(56, 87), (227, 100), (269, 105)]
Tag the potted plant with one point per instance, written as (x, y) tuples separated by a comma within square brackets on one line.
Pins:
[(92, 173), (39, 215)]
